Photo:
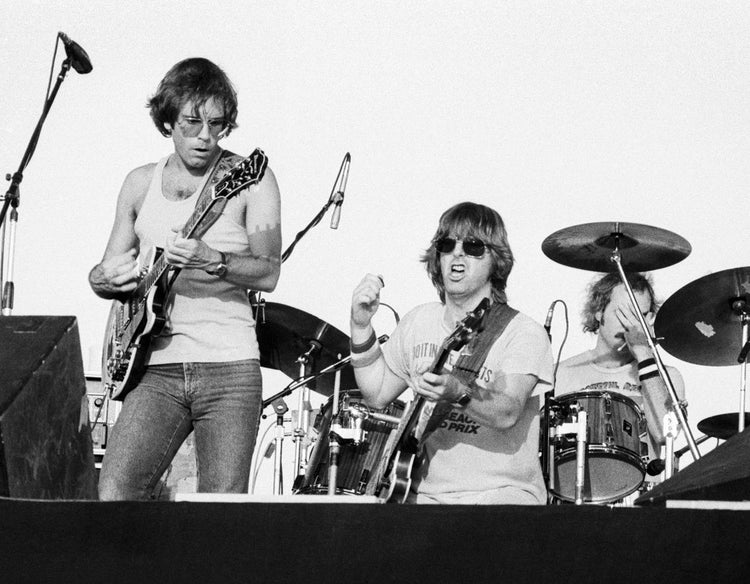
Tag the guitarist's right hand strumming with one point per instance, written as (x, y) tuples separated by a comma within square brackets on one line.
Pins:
[(116, 275)]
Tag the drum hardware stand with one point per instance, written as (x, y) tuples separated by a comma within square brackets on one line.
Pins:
[(675, 400), (580, 429), (739, 306), (280, 407), (581, 456), (333, 436), (670, 433), (294, 385), (303, 409)]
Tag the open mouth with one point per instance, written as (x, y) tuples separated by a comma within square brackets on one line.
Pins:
[(457, 271)]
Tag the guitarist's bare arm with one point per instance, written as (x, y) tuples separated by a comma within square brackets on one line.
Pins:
[(117, 274)]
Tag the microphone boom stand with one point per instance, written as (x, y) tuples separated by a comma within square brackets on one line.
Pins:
[(12, 198)]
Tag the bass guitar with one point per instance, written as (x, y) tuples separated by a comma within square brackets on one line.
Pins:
[(134, 321), (406, 443)]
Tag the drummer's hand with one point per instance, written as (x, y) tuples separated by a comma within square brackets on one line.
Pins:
[(436, 387), (634, 336), (366, 300)]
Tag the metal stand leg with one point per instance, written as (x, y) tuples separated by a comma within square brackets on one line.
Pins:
[(743, 369), (670, 433), (333, 438), (581, 456), (278, 477), (676, 407)]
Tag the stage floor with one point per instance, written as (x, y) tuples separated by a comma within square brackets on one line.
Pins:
[(324, 541)]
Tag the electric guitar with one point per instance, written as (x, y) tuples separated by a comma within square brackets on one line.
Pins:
[(134, 321), (406, 442)]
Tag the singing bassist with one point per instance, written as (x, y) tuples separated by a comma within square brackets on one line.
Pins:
[(485, 447)]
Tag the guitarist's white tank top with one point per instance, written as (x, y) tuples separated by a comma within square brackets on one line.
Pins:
[(208, 319)]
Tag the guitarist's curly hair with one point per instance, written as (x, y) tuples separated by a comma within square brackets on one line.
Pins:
[(197, 80), (481, 222)]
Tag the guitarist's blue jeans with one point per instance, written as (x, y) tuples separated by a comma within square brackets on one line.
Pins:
[(220, 402)]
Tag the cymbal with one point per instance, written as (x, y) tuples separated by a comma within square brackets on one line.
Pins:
[(700, 324), (285, 333), (589, 247), (723, 426)]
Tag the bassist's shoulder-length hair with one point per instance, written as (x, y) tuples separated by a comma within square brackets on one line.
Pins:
[(481, 222)]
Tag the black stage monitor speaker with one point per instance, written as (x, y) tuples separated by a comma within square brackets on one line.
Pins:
[(45, 441), (720, 475)]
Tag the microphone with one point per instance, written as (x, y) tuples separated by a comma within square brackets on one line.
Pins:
[(338, 197), (79, 60), (548, 320)]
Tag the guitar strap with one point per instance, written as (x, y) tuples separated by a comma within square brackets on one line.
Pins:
[(470, 362), (227, 160)]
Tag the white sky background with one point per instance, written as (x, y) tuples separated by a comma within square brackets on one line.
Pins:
[(555, 114)]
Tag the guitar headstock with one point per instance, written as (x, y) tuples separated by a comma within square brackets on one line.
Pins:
[(247, 172), (468, 328)]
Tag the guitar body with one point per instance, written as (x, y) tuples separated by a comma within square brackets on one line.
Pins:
[(400, 479), (124, 356), (404, 457), (133, 322)]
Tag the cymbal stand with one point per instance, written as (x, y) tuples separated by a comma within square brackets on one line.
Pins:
[(740, 307), (278, 478), (676, 406)]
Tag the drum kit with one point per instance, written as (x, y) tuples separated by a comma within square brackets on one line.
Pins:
[(591, 451), (350, 437)]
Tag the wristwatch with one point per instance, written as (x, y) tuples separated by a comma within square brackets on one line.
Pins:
[(462, 401), (221, 269)]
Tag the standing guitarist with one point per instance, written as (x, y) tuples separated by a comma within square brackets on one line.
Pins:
[(203, 371), (485, 450)]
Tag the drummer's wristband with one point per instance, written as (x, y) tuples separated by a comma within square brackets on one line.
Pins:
[(647, 369), (365, 354)]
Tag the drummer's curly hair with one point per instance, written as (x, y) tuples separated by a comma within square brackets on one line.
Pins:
[(600, 292), (197, 80), (473, 220)]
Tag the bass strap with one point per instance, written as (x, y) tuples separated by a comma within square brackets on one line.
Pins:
[(470, 362)]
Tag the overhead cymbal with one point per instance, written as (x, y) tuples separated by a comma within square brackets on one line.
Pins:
[(700, 324), (723, 426), (285, 333), (589, 247)]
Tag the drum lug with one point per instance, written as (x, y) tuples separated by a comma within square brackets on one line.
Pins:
[(610, 434)]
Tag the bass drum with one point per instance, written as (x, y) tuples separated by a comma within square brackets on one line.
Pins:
[(615, 449), (357, 460)]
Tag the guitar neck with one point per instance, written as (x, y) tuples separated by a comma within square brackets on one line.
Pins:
[(160, 265)]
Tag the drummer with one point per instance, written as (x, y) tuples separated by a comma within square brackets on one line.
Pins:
[(621, 361)]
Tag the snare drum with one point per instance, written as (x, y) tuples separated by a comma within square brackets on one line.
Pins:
[(359, 457), (615, 449)]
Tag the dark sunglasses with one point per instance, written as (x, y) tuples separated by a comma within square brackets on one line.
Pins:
[(472, 246)]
